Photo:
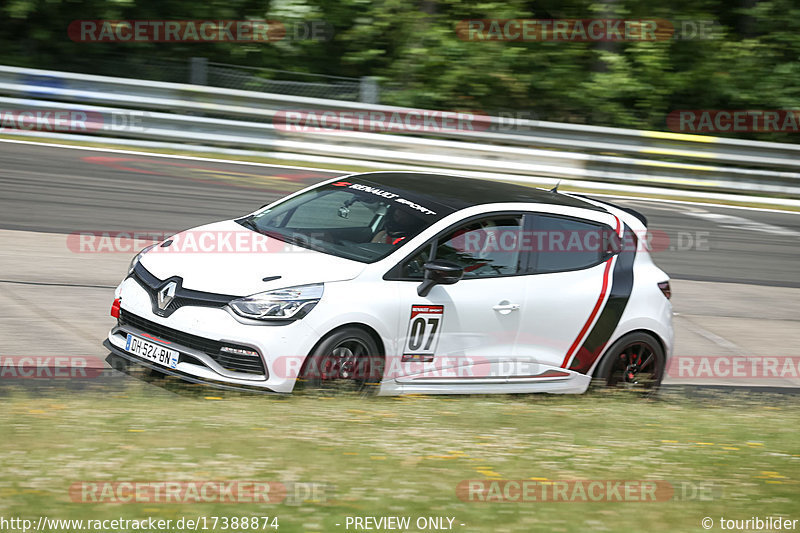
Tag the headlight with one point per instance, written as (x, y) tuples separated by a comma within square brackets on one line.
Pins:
[(280, 304), (137, 257)]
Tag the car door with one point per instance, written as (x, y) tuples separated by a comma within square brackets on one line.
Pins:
[(461, 333), (566, 287)]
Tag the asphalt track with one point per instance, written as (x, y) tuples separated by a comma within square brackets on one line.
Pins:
[(60, 190), (736, 289)]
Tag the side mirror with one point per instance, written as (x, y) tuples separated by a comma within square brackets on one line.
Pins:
[(439, 272)]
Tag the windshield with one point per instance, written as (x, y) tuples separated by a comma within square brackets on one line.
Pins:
[(349, 220)]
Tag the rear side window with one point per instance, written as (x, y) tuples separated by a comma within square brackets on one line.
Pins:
[(561, 244)]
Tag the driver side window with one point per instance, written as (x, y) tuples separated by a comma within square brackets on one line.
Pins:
[(485, 247)]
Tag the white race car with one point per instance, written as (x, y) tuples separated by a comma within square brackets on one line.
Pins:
[(403, 282)]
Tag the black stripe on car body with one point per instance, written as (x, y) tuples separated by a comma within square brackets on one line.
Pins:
[(621, 287)]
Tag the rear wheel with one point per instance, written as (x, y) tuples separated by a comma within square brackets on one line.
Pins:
[(635, 362), (347, 360)]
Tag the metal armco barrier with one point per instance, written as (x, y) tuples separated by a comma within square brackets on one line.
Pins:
[(196, 114)]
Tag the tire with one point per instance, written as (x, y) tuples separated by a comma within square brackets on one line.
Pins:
[(635, 362), (347, 360)]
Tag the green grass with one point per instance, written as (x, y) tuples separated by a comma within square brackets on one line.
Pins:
[(401, 456)]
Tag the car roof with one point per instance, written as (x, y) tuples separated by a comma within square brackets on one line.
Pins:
[(456, 192)]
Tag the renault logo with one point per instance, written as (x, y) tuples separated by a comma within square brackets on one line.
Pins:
[(166, 294)]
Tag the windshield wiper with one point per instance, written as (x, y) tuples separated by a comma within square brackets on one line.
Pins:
[(248, 223), (303, 242), (298, 240)]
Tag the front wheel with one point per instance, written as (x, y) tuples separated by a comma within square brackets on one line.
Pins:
[(635, 362), (345, 360)]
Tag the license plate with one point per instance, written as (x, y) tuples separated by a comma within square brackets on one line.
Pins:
[(152, 351)]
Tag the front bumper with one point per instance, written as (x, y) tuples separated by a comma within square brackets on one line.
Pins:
[(130, 358), (198, 332)]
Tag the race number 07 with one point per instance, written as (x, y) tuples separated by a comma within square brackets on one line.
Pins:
[(424, 327)]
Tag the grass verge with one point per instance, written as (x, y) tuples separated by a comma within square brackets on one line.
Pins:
[(726, 456)]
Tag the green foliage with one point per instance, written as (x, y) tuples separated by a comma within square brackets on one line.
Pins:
[(749, 61)]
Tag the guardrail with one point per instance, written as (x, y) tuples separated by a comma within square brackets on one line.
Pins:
[(234, 118)]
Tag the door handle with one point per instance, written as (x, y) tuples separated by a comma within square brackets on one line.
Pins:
[(505, 307)]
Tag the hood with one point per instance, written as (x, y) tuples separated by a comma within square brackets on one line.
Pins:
[(227, 258)]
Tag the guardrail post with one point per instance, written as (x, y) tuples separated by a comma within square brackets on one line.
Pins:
[(198, 71), (368, 90)]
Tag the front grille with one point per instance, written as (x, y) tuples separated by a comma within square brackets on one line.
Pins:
[(228, 361), (183, 297)]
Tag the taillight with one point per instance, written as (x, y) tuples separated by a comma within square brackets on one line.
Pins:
[(664, 286), (115, 308)]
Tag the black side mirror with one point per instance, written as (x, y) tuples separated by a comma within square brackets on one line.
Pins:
[(439, 272)]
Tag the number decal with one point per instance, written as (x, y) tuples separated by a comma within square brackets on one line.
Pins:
[(417, 331), (423, 329), (434, 323)]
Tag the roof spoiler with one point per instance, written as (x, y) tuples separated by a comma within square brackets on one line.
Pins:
[(630, 211)]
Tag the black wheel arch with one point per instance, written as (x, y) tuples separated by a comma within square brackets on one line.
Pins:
[(652, 333), (359, 325)]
